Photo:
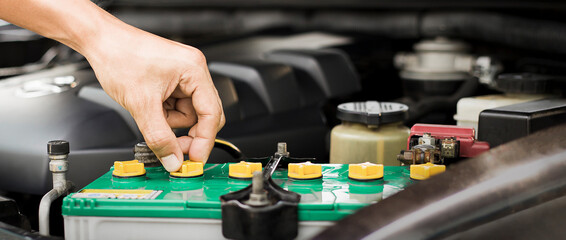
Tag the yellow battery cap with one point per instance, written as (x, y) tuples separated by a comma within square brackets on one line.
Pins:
[(126, 169), (243, 170), (424, 171), (365, 171), (189, 169), (304, 171)]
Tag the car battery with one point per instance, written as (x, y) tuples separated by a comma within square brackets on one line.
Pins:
[(155, 205)]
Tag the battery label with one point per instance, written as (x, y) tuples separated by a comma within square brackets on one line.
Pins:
[(117, 194)]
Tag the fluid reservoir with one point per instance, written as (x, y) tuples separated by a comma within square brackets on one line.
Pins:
[(436, 68), (439, 66), (370, 132)]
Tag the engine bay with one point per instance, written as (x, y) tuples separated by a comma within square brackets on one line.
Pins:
[(472, 92)]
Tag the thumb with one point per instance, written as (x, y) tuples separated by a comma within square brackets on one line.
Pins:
[(159, 136)]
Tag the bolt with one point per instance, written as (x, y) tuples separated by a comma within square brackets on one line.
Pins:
[(282, 149), (258, 197), (257, 183)]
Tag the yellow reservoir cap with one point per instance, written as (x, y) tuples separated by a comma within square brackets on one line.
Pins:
[(424, 171), (125, 169), (304, 171), (365, 171), (243, 169), (189, 169)]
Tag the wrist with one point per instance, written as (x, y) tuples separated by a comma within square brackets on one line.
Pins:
[(72, 22), (84, 28)]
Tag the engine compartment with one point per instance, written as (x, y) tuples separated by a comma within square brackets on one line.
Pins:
[(281, 70)]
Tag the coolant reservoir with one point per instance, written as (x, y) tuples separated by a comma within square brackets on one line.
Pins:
[(370, 132)]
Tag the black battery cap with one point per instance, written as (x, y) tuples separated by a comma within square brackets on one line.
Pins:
[(57, 147), (526, 83)]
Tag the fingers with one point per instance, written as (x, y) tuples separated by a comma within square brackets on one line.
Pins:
[(209, 116), (185, 142), (180, 113), (157, 133)]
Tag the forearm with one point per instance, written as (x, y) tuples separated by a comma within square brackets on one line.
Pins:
[(75, 23)]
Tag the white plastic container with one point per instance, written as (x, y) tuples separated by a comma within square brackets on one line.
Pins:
[(469, 109), (120, 228), (370, 132)]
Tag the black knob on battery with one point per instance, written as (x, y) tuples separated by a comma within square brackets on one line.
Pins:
[(57, 147), (263, 210), (145, 155)]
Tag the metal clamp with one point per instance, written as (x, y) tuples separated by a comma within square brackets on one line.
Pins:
[(263, 210)]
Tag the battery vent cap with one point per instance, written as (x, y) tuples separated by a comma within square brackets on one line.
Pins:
[(243, 170), (126, 169), (365, 171), (425, 171), (189, 169), (304, 171)]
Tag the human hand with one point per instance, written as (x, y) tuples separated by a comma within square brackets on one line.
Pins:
[(164, 85)]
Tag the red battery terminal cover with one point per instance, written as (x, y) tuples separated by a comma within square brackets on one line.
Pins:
[(469, 147)]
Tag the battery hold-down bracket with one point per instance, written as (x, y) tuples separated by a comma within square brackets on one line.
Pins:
[(263, 210)]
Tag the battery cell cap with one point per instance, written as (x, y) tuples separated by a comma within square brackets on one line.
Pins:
[(243, 170), (425, 171), (304, 171), (126, 169), (365, 171), (189, 169)]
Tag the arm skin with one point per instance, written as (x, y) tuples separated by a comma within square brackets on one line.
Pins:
[(162, 83)]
